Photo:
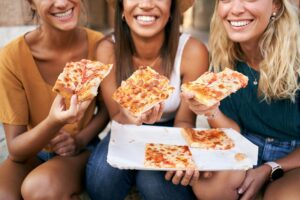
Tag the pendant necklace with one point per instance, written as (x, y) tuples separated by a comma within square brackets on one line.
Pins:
[(255, 82), (152, 63)]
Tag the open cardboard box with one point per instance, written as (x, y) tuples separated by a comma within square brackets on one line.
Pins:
[(127, 148)]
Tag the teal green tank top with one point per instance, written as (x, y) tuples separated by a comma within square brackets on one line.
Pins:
[(279, 119)]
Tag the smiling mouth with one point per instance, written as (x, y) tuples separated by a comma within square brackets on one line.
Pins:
[(65, 14), (239, 23), (146, 19)]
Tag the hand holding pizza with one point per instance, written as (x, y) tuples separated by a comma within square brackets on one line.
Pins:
[(153, 115), (204, 94), (59, 114), (199, 108), (148, 117)]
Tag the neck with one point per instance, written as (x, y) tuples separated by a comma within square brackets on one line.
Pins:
[(58, 40), (252, 55), (148, 49)]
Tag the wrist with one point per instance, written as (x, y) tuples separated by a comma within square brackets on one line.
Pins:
[(212, 115), (80, 141), (54, 123), (266, 171), (276, 170)]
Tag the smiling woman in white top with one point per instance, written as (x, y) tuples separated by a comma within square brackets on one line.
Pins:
[(146, 33)]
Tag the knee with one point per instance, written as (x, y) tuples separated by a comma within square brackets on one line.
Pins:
[(280, 192), (222, 185), (40, 186), (8, 195)]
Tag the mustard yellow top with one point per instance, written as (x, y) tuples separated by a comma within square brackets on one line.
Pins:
[(25, 98)]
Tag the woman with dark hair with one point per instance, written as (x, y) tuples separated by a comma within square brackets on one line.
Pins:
[(34, 117), (146, 34)]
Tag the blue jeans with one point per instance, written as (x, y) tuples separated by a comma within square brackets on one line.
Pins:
[(270, 149), (105, 182)]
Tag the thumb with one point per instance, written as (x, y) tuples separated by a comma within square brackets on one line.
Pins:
[(73, 104)]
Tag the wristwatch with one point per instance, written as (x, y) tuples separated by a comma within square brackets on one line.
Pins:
[(276, 172)]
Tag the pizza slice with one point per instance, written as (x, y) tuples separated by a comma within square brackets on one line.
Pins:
[(212, 139), (211, 88), (168, 156), (82, 78), (142, 90)]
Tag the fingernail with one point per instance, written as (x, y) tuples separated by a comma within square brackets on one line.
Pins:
[(240, 191)]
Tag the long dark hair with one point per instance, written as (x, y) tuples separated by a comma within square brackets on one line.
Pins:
[(125, 48)]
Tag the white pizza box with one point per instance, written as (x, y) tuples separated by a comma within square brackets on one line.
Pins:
[(127, 148)]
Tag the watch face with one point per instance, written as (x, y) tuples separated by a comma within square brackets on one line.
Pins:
[(277, 173)]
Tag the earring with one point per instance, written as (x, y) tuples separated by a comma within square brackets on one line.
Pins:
[(273, 16), (123, 17)]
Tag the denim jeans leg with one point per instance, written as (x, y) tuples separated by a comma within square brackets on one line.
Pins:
[(152, 185), (103, 181)]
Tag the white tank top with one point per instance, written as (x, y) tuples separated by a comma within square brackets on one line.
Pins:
[(172, 103)]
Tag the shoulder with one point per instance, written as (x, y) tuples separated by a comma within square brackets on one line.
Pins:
[(13, 46), (195, 57), (105, 50), (13, 51), (94, 34), (194, 47)]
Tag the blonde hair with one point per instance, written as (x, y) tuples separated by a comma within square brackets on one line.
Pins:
[(280, 49)]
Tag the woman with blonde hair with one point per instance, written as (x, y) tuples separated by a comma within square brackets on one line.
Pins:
[(261, 40), (34, 117), (146, 34)]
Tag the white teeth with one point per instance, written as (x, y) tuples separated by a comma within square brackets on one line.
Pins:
[(64, 14), (146, 18), (239, 23)]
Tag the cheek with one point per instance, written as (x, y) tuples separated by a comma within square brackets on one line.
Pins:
[(222, 11)]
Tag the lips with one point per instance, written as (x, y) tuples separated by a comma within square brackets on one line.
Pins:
[(239, 23), (65, 14), (146, 19)]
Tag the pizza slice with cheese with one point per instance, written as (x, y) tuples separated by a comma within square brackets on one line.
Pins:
[(212, 139), (211, 88), (82, 78), (168, 156), (142, 90)]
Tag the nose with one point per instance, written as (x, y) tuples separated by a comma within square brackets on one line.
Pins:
[(237, 7), (146, 4), (61, 3)]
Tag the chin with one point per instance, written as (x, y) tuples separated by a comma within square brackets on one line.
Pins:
[(68, 27)]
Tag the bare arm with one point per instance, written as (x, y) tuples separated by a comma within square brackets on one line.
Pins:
[(194, 63), (24, 144), (95, 126), (216, 118)]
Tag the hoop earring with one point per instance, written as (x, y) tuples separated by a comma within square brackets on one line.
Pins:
[(273, 17)]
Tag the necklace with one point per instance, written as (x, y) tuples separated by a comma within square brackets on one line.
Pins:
[(150, 65), (255, 82)]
